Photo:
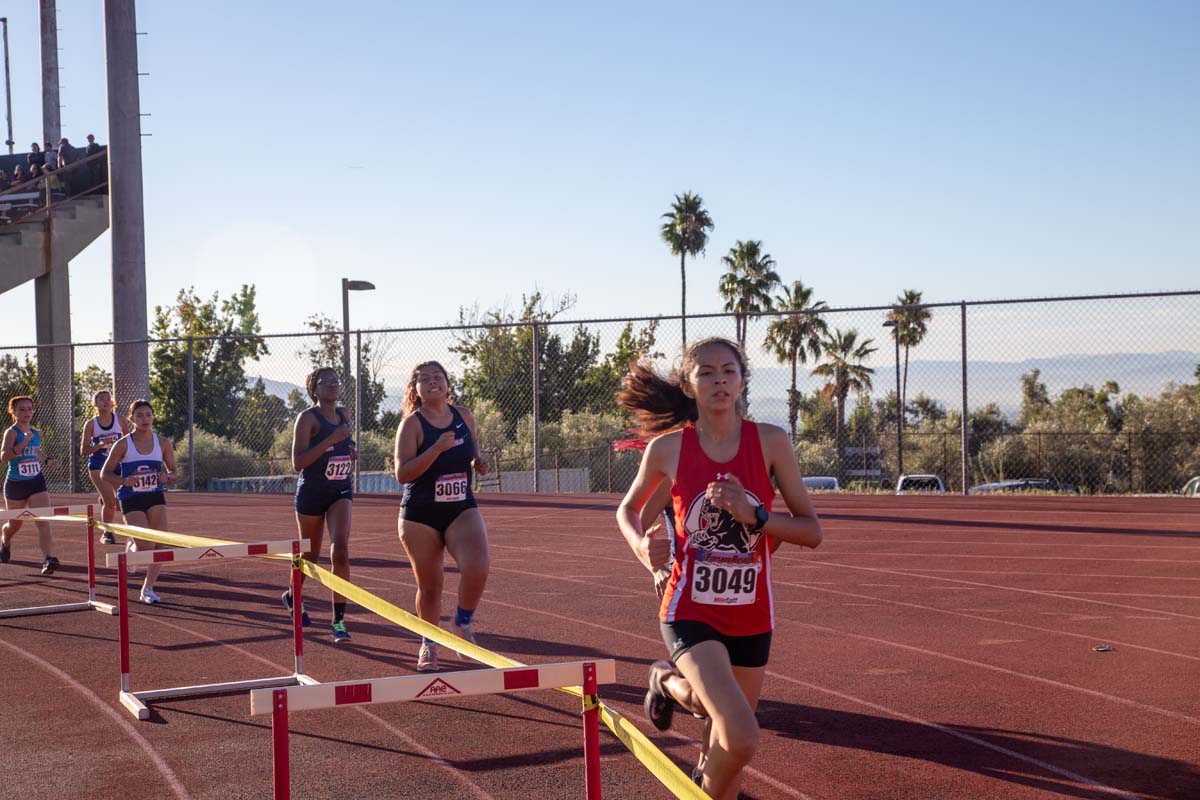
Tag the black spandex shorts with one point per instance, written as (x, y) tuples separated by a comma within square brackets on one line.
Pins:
[(314, 502), (744, 651), (143, 502), (436, 515), (23, 490)]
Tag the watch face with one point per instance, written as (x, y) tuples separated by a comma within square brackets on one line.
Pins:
[(761, 515)]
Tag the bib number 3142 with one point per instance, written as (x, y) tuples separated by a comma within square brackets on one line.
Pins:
[(725, 583), (450, 488)]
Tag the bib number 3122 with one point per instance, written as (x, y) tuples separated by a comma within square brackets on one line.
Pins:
[(451, 488), (339, 468)]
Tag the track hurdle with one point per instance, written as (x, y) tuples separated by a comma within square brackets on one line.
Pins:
[(436, 686), (44, 515), (136, 701)]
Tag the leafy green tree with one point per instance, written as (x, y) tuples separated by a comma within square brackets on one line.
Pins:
[(747, 284), (844, 372), (1035, 400), (603, 380), (259, 417), (912, 323), (325, 350), (686, 232), (225, 336), (16, 378), (796, 336)]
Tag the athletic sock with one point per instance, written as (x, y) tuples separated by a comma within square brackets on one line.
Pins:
[(463, 617), (428, 642), (339, 611)]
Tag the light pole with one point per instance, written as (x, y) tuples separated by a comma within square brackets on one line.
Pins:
[(895, 326), (349, 286), (7, 89)]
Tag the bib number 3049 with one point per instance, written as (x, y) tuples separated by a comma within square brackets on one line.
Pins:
[(725, 583), (451, 488)]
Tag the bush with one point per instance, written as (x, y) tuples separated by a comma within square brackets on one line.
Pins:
[(218, 457)]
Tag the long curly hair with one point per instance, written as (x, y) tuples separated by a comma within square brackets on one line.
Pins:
[(412, 401)]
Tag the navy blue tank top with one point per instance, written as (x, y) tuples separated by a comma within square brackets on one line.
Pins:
[(334, 469), (448, 479)]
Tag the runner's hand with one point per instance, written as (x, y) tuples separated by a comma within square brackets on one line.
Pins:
[(653, 550), (661, 576), (340, 434), (482, 466), (729, 495), (444, 442)]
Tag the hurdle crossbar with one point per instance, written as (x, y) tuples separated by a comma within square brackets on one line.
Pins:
[(135, 702), (440, 686), (63, 514)]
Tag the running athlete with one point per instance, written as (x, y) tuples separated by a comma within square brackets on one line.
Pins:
[(436, 449), (140, 464), (24, 484), (98, 436), (716, 614), (324, 453)]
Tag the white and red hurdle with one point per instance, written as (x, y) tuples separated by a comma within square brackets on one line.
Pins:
[(587, 674), (91, 604), (136, 701)]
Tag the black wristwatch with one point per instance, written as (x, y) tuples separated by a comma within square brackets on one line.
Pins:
[(761, 515)]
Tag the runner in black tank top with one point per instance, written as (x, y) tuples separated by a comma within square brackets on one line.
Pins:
[(436, 449), (324, 454)]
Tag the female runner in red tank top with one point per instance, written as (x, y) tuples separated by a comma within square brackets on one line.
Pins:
[(717, 610)]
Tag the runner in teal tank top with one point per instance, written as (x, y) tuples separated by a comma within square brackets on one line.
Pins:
[(25, 484)]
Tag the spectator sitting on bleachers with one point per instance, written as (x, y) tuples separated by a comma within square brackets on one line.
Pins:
[(36, 156), (51, 156), (66, 153), (92, 148), (19, 175)]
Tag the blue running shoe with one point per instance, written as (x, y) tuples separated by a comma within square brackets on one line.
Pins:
[(340, 634), (305, 620)]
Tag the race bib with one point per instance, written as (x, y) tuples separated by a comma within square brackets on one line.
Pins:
[(451, 488), (29, 469), (339, 468), (725, 581), (145, 481), (108, 439)]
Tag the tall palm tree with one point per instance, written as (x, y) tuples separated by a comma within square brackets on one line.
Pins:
[(747, 285), (844, 372), (797, 336), (911, 326), (686, 233)]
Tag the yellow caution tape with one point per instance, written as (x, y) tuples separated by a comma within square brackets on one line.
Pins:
[(635, 741)]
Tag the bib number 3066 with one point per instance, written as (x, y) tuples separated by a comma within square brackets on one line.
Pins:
[(724, 584), (451, 488)]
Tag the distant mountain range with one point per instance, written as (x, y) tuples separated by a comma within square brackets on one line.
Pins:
[(996, 382)]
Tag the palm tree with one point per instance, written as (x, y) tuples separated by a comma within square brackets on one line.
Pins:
[(686, 233), (747, 285), (844, 372), (796, 336), (911, 327)]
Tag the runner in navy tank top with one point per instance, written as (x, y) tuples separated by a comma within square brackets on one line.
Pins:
[(716, 613), (24, 483), (324, 453), (101, 432), (436, 451)]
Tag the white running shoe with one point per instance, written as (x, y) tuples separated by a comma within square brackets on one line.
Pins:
[(427, 658), (148, 597)]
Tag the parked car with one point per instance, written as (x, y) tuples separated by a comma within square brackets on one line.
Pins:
[(1025, 485), (1191, 488), (920, 483), (821, 483)]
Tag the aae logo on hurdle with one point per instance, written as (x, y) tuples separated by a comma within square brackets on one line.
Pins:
[(439, 688)]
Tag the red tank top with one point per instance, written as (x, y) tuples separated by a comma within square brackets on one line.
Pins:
[(721, 574)]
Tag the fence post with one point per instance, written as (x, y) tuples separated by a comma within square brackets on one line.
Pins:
[(72, 448), (966, 476), (191, 405), (358, 375), (557, 474), (609, 451), (537, 408)]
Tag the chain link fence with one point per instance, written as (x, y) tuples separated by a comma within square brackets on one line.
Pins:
[(1096, 395)]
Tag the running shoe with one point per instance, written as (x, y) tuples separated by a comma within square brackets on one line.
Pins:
[(49, 565), (107, 538), (305, 620), (340, 634), (464, 632), (427, 658), (658, 705), (5, 553), (149, 597)]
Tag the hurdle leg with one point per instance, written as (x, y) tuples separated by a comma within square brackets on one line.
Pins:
[(591, 732), (96, 605), (297, 604), (135, 706), (280, 767)]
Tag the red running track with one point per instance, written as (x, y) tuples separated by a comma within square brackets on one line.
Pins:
[(933, 647)]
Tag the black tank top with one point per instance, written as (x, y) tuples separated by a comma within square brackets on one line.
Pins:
[(448, 479), (333, 469)]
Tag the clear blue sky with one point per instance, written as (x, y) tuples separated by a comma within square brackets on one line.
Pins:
[(456, 153)]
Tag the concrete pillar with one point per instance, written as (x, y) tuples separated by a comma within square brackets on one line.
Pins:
[(55, 390), (51, 102), (131, 364)]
